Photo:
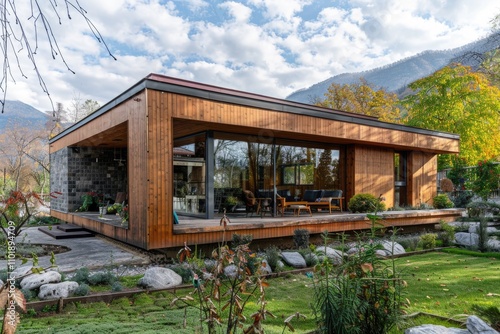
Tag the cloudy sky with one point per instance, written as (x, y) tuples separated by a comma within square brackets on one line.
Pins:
[(270, 47)]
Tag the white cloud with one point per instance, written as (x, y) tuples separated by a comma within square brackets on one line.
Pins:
[(264, 46)]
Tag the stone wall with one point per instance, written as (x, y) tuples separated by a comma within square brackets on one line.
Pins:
[(76, 171)]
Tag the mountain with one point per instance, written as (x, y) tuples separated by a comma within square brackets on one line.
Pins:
[(17, 112), (397, 76)]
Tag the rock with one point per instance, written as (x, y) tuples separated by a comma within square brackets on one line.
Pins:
[(336, 256), (265, 268), (494, 244), (57, 290), (382, 253), (34, 281), (435, 329), (476, 325), (474, 227), (466, 239), (392, 247), (21, 271), (294, 259), (159, 278)]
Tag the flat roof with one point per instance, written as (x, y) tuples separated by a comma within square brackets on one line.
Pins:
[(227, 95)]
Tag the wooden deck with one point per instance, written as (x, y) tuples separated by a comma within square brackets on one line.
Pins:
[(196, 231)]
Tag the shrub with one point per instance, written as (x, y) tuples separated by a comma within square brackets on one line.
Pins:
[(301, 238), (477, 209), (185, 272), (366, 203), (102, 278), (82, 290), (442, 201), (309, 256), (28, 294), (461, 198), (81, 275), (409, 243), (273, 257), (446, 185), (428, 240), (487, 176), (363, 295), (447, 234), (116, 287)]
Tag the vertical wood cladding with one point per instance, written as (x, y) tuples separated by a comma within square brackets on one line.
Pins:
[(159, 165), (372, 171), (422, 178)]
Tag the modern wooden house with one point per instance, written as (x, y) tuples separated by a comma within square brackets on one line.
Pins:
[(175, 145)]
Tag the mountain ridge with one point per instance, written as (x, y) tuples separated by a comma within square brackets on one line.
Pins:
[(19, 112), (395, 77)]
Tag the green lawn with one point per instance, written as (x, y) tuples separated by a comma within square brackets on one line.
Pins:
[(450, 284), (438, 283)]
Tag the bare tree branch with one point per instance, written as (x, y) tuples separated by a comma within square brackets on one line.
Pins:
[(15, 39)]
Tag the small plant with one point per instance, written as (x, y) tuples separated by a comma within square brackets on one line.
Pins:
[(115, 208), (116, 287), (309, 256), (301, 238), (82, 275), (482, 231), (273, 257), (239, 240), (442, 201), (461, 198), (363, 295), (230, 203), (91, 201), (409, 243), (428, 240), (363, 203), (447, 234), (222, 302), (102, 278), (82, 290)]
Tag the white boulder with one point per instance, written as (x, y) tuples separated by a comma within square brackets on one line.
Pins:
[(160, 278), (57, 290)]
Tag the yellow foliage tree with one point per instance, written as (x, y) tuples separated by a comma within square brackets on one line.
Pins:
[(361, 98), (457, 100)]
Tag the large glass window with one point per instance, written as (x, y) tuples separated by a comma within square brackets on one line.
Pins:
[(190, 175), (264, 168)]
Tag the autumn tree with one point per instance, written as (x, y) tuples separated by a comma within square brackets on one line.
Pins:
[(455, 99), (24, 155), (362, 98)]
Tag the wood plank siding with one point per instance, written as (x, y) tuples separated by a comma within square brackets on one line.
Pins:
[(159, 109), (132, 112)]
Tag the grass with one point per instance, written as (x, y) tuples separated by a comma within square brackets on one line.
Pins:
[(450, 284), (444, 284)]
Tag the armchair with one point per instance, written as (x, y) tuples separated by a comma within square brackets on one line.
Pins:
[(334, 197), (251, 203)]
